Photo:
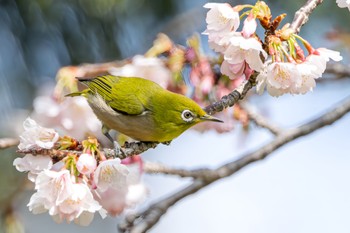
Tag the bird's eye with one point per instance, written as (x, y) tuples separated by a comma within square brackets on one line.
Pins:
[(187, 115)]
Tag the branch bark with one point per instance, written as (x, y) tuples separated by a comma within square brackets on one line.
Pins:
[(129, 149), (8, 142), (229, 100), (302, 15)]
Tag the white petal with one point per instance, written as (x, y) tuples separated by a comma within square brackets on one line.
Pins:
[(84, 219), (328, 53)]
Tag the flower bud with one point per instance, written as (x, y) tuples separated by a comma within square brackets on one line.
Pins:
[(86, 164)]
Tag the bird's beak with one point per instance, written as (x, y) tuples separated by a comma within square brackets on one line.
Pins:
[(210, 118)]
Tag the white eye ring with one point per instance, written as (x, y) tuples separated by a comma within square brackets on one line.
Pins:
[(187, 115)]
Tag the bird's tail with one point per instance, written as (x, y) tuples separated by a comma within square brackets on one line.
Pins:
[(101, 85), (80, 93)]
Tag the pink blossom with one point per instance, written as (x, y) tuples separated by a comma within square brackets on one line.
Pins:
[(86, 164), (221, 17), (64, 199), (222, 20), (232, 70), (32, 164), (218, 41), (35, 135), (245, 49), (111, 182), (282, 77), (110, 174), (249, 26), (136, 193), (152, 68), (72, 115), (279, 78), (307, 72), (80, 206), (320, 57), (112, 200)]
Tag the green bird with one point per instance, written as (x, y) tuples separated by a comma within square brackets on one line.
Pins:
[(140, 108)]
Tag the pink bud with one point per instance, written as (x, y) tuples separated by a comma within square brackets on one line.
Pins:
[(86, 164), (249, 27)]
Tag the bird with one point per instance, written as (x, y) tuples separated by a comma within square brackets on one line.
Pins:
[(140, 108)]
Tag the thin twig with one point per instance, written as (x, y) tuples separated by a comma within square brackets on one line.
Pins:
[(260, 120), (143, 221), (302, 15), (158, 168), (8, 142)]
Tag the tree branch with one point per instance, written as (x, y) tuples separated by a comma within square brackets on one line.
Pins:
[(129, 149), (8, 142), (232, 98), (156, 168), (302, 15), (259, 120), (143, 221)]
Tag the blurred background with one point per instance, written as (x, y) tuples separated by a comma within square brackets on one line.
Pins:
[(303, 187)]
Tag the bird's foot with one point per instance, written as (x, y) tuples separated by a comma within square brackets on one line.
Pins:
[(118, 151)]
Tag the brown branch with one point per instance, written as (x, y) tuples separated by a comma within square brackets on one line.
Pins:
[(302, 15), (129, 149), (229, 100), (143, 221), (158, 168), (8, 142)]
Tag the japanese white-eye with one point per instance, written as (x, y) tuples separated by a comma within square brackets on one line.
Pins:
[(140, 108)]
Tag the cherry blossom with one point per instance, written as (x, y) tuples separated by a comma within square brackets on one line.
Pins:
[(80, 206), (320, 57), (152, 68), (221, 17), (344, 3), (35, 135), (71, 115), (241, 50), (64, 199), (233, 71), (279, 78), (249, 26), (32, 164), (110, 174), (222, 20), (86, 164), (136, 193), (111, 182), (112, 200)]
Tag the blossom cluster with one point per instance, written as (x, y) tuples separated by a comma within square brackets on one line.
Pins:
[(280, 61), (242, 51), (77, 186), (71, 116)]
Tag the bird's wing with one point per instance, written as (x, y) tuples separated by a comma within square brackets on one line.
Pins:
[(120, 93)]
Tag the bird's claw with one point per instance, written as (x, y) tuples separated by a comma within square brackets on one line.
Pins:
[(118, 150)]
